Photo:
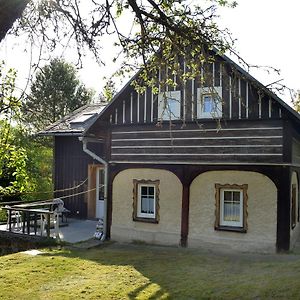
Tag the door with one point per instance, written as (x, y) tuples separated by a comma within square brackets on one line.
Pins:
[(100, 193)]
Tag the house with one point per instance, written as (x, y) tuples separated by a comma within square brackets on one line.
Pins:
[(174, 175), (70, 161)]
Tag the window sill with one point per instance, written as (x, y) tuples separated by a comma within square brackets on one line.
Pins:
[(231, 228), (145, 220)]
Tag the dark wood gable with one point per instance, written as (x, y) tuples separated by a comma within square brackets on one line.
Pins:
[(250, 128), (241, 99)]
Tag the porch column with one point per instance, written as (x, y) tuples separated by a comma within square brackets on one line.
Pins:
[(185, 214), (283, 211)]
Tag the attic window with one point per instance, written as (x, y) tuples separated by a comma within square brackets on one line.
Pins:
[(169, 105), (82, 118), (209, 103)]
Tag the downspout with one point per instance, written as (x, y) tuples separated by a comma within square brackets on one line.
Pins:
[(102, 161)]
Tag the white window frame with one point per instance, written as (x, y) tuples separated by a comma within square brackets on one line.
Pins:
[(231, 223), (139, 202), (216, 94), (164, 112)]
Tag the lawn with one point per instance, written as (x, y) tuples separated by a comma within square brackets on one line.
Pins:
[(147, 272)]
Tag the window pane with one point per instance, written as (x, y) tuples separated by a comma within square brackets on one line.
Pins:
[(227, 196), (232, 206), (144, 190), (151, 190), (147, 205), (207, 104)]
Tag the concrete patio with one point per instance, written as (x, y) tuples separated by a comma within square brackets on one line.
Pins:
[(77, 230)]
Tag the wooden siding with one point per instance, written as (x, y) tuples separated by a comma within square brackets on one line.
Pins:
[(296, 151), (71, 169), (237, 141), (240, 99)]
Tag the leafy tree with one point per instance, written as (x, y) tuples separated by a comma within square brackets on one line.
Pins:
[(109, 91), (296, 102), (55, 92), (25, 164), (161, 31)]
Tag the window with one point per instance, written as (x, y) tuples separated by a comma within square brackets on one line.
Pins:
[(145, 200), (209, 104), (169, 105), (231, 204)]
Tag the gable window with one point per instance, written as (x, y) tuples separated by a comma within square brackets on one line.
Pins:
[(209, 103), (145, 200), (231, 204), (169, 105)]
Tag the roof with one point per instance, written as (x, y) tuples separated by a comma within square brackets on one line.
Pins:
[(76, 122)]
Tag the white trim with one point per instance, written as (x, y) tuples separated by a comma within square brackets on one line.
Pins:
[(116, 116), (206, 163), (151, 108), (159, 79), (230, 98), (145, 106), (167, 74), (123, 111), (138, 108), (200, 138), (139, 202), (198, 130), (197, 154), (221, 75), (213, 74), (175, 81), (131, 107), (241, 202), (193, 98), (270, 108), (240, 100), (193, 146), (247, 100), (259, 107), (184, 93)]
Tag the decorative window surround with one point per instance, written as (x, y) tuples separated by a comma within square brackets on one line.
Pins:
[(169, 104), (146, 201), (209, 102), (231, 207)]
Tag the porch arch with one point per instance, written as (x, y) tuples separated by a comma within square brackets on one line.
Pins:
[(261, 212)]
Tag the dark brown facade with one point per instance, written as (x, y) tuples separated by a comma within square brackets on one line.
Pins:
[(71, 170)]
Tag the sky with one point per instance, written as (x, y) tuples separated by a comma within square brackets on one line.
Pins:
[(266, 33)]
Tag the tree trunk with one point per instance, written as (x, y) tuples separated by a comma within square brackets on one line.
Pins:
[(10, 11)]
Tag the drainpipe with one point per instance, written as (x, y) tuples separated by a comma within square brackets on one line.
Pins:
[(102, 161)]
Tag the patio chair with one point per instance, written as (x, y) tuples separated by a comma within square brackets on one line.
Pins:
[(15, 218)]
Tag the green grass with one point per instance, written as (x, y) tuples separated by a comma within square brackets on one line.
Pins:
[(147, 272)]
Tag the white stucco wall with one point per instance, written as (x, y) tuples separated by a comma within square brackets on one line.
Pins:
[(262, 212), (168, 230), (294, 232)]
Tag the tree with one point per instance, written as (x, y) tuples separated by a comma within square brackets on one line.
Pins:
[(160, 31), (296, 102), (55, 92), (25, 164)]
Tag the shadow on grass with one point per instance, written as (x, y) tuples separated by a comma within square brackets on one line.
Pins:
[(170, 272)]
